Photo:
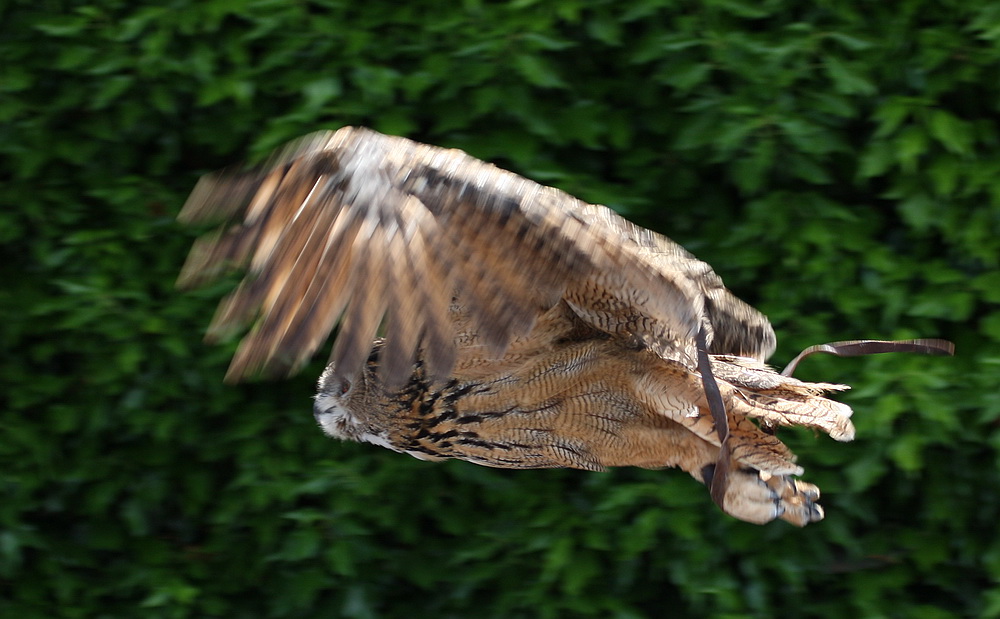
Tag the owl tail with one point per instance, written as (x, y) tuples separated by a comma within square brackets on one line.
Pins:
[(749, 390)]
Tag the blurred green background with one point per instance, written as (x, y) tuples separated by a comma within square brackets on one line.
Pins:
[(837, 162)]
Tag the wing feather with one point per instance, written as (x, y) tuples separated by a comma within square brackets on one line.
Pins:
[(377, 231), (733, 327)]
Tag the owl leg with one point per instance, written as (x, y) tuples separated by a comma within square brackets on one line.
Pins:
[(743, 492), (758, 497)]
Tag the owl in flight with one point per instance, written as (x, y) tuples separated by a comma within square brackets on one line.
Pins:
[(487, 318)]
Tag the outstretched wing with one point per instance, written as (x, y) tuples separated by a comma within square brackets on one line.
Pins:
[(378, 231)]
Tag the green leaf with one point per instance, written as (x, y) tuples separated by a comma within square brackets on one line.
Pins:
[(990, 326), (920, 211), (851, 42), (954, 134), (63, 26), (807, 169), (907, 452), (538, 72), (318, 92), (987, 22), (911, 144), (891, 115), (689, 76), (605, 29), (548, 42), (947, 305), (848, 78), (740, 8), (876, 160), (112, 88), (945, 174), (987, 285), (752, 173)]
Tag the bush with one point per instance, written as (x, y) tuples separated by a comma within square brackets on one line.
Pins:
[(835, 161)]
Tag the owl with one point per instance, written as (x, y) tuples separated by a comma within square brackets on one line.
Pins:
[(484, 317)]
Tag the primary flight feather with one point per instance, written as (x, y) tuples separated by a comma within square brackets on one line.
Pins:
[(521, 327)]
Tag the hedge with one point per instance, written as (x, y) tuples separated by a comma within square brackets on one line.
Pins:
[(835, 160)]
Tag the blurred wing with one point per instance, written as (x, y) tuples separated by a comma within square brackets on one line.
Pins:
[(732, 327), (368, 229)]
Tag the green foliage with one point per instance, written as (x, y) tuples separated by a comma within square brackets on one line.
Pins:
[(836, 161)]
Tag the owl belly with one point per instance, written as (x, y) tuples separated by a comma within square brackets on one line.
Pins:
[(574, 406)]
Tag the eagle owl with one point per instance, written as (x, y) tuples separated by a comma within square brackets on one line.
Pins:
[(487, 318)]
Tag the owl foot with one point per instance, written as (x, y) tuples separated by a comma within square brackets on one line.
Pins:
[(759, 497)]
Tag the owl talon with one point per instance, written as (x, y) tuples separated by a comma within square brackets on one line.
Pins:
[(758, 498)]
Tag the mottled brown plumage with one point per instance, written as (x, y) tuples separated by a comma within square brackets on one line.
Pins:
[(568, 395), (522, 327)]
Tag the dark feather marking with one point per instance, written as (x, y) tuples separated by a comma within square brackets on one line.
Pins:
[(477, 442), (454, 394)]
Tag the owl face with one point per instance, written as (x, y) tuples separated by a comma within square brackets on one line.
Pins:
[(331, 408), (344, 408)]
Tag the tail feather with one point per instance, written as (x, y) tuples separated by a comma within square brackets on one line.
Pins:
[(777, 400)]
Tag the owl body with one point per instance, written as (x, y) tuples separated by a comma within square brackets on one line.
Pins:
[(569, 396)]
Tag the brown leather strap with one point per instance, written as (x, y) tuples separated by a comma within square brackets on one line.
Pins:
[(718, 409), (850, 348), (854, 348)]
